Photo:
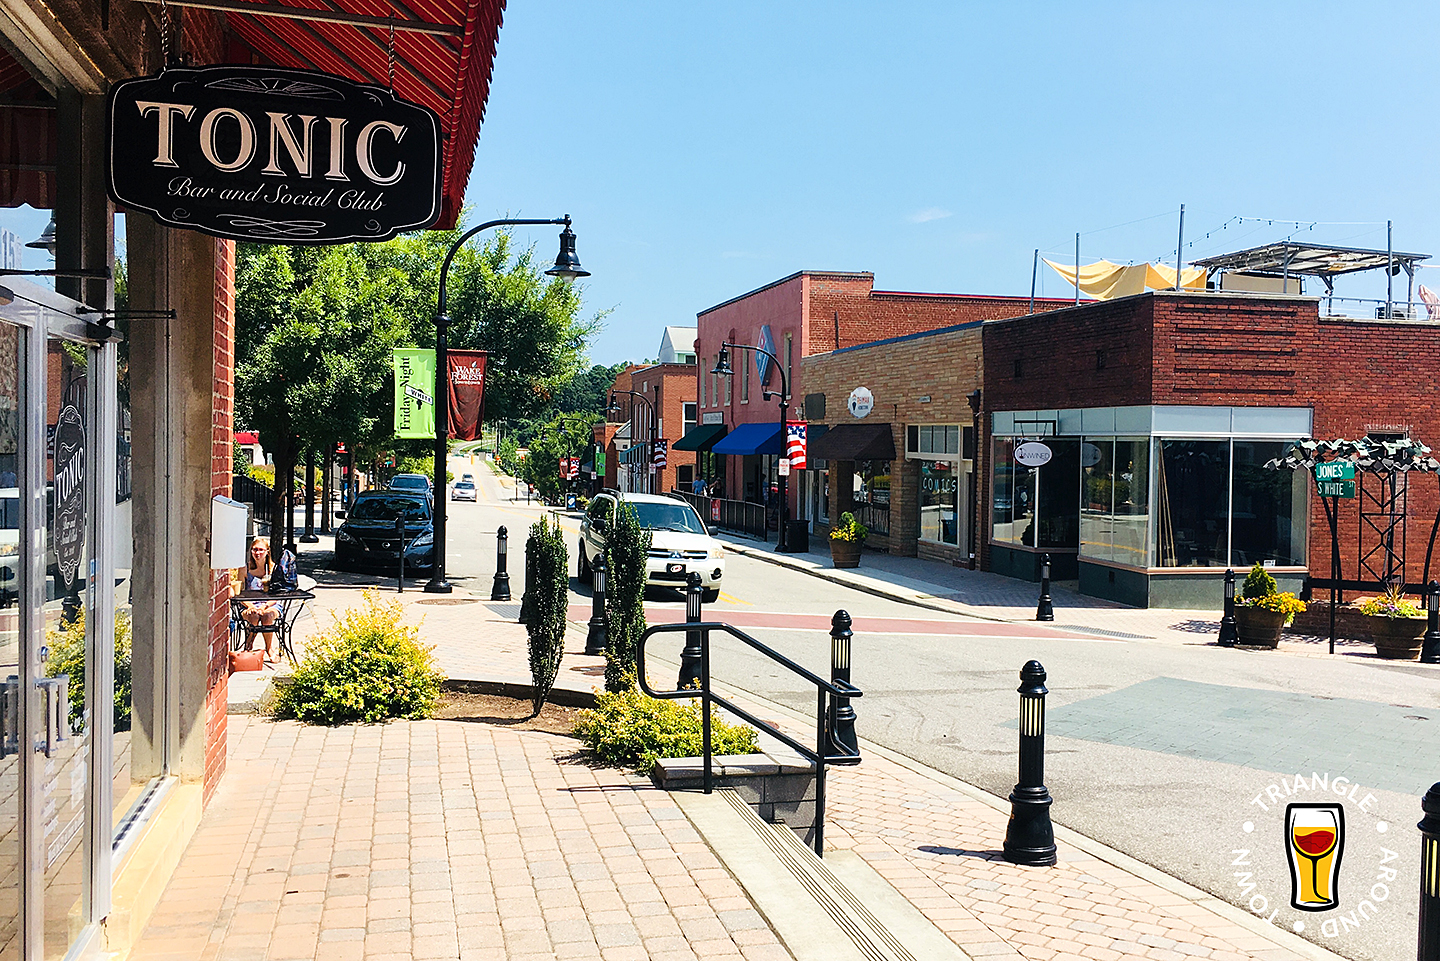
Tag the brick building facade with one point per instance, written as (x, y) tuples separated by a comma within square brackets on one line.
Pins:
[(670, 390)]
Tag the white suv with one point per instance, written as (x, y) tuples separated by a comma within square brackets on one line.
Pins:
[(679, 542)]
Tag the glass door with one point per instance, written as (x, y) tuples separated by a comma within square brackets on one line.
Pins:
[(12, 836)]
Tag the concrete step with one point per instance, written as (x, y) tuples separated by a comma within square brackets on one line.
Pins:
[(837, 909)]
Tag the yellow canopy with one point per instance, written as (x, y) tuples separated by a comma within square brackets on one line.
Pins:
[(1106, 281)]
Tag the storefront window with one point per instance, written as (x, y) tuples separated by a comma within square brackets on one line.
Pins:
[(1097, 502), (939, 502), (1013, 509), (1192, 489), (1058, 501), (1268, 517), (1132, 502)]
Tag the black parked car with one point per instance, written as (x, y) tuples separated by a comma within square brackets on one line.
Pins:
[(367, 540)]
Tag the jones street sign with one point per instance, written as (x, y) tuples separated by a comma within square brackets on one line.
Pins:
[(1335, 470), (273, 155)]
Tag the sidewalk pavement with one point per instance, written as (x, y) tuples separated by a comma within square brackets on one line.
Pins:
[(452, 839)]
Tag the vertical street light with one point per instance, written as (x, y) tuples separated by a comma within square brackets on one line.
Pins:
[(654, 424), (567, 267), (723, 369)]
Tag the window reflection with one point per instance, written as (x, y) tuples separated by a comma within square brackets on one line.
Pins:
[(1192, 489)]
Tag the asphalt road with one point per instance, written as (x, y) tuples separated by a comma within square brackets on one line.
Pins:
[(1180, 755)]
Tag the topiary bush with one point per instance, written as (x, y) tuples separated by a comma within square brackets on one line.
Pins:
[(65, 645), (627, 545), (1258, 583), (549, 603), (629, 729), (366, 666)]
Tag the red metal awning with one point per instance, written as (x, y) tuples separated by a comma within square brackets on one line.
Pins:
[(447, 72)]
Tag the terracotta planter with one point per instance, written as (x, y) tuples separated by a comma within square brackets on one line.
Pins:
[(1258, 627), (845, 553), (1397, 638)]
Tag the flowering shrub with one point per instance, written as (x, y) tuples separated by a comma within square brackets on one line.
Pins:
[(1392, 603), (628, 728), (849, 529), (1281, 603)]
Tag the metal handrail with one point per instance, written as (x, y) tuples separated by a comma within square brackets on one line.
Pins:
[(826, 751)]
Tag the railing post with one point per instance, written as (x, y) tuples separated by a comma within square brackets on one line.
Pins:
[(1045, 610), (842, 714), (705, 744), (1429, 945), (1029, 837), (1430, 650), (500, 588), (1229, 633), (690, 656), (595, 638)]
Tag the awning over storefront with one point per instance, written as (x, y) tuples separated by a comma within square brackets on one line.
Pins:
[(855, 442), (751, 439), (635, 454), (700, 438)]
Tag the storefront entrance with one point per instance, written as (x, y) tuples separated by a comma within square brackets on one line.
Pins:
[(57, 613)]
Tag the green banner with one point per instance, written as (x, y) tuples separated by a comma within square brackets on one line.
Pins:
[(414, 392)]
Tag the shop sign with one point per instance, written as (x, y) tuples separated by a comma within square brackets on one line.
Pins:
[(273, 155), (861, 402), (1089, 455), (713, 417), (69, 492), (1032, 454)]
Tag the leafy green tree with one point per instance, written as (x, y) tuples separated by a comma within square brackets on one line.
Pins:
[(549, 603), (568, 435), (627, 545)]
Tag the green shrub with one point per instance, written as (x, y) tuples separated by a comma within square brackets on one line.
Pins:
[(849, 530), (366, 666), (627, 545), (549, 602), (629, 729), (1259, 583), (66, 655)]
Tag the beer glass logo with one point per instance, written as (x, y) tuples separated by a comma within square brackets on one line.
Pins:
[(1314, 842)]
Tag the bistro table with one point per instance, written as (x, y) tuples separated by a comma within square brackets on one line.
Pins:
[(290, 604)]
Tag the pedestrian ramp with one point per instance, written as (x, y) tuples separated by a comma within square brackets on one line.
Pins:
[(836, 909)]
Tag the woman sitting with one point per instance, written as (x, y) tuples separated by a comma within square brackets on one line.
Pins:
[(260, 614)]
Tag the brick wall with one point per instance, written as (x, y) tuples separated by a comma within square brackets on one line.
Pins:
[(677, 384), (222, 437)]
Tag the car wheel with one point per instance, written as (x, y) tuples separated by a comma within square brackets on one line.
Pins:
[(710, 595), (585, 573)]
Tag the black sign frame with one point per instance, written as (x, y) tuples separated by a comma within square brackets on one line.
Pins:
[(273, 155)]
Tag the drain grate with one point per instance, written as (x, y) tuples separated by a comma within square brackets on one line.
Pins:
[(1102, 632), (448, 601)]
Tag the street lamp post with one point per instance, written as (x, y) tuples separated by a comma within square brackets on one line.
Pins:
[(723, 369), (654, 424), (567, 267)]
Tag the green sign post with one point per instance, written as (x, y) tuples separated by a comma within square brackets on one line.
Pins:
[(414, 393)]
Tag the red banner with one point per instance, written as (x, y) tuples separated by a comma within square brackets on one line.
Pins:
[(467, 392)]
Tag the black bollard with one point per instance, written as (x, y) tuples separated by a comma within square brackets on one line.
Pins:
[(1429, 948), (1029, 837), (596, 639), (690, 657), (500, 588), (1045, 610), (842, 715), (1229, 633), (400, 539), (529, 580), (1430, 650)]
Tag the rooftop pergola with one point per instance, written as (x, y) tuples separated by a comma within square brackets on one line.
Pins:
[(1289, 258)]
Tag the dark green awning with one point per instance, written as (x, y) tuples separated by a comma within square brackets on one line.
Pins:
[(700, 437)]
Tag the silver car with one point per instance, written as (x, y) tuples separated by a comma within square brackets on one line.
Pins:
[(463, 490)]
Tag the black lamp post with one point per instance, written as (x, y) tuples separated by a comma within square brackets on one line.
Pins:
[(654, 423), (567, 267), (723, 369)]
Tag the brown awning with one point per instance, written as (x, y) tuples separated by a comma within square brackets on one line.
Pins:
[(855, 442)]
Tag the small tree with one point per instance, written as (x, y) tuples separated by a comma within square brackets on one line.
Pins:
[(549, 602), (626, 546)]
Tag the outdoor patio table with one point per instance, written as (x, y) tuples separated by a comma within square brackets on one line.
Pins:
[(291, 603)]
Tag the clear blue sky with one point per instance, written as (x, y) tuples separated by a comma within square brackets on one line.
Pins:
[(707, 149)]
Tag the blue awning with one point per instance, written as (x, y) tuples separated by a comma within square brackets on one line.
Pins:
[(751, 439)]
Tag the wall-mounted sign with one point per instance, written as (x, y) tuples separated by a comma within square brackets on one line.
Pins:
[(762, 360), (273, 155), (69, 528), (712, 417), (1032, 454), (861, 402)]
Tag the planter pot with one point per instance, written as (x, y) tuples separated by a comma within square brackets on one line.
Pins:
[(1258, 627), (845, 553), (1397, 638)]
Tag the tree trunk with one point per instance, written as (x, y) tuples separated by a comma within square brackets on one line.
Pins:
[(325, 490), (284, 455)]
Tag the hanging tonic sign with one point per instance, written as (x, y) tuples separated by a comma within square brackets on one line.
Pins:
[(273, 155), (69, 527)]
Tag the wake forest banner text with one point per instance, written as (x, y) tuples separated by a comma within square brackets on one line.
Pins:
[(273, 155)]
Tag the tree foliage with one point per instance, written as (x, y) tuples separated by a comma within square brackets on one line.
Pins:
[(549, 595), (627, 545), (567, 435)]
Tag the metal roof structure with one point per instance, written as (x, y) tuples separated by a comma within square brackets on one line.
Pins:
[(1313, 260)]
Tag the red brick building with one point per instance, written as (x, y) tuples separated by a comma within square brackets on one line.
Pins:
[(667, 411)]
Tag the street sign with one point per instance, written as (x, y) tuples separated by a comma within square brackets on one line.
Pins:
[(1335, 470), (1336, 488), (784, 467)]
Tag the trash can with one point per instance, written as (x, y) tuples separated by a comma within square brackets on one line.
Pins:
[(797, 537)]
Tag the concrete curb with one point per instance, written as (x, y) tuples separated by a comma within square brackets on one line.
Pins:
[(564, 697)]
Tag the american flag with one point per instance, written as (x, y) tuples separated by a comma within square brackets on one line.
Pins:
[(795, 445), (659, 460)]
